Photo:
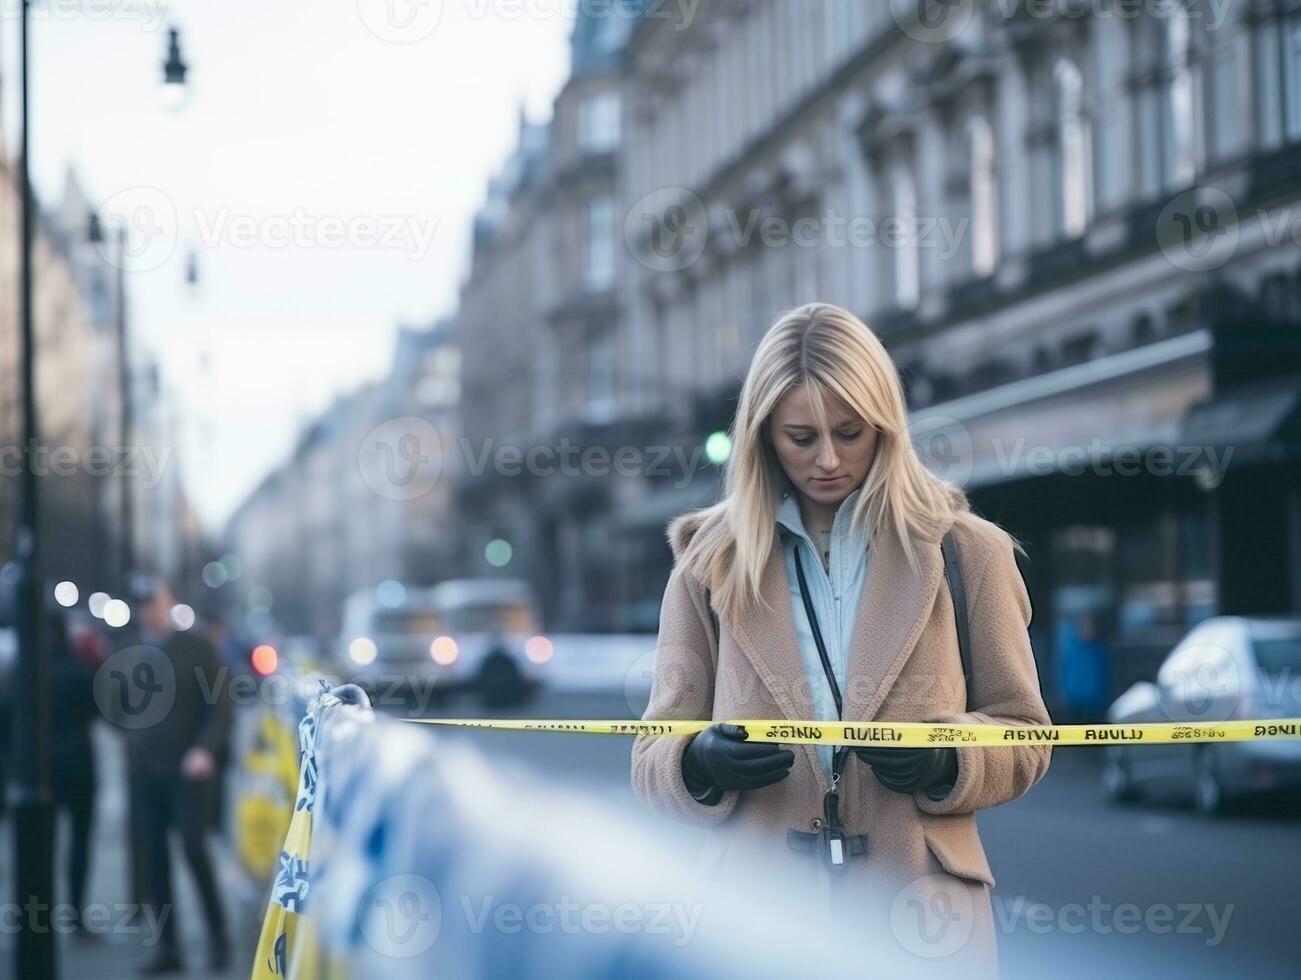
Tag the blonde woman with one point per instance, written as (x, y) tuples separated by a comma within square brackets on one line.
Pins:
[(824, 490)]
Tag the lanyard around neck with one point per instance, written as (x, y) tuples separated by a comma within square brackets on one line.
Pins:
[(838, 756)]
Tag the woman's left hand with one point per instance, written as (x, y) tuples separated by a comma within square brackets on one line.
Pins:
[(908, 770)]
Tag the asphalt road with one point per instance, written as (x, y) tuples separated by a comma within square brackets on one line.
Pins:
[(1084, 888)]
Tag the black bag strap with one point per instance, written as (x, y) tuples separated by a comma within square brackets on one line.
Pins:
[(841, 752), (817, 636), (958, 591)]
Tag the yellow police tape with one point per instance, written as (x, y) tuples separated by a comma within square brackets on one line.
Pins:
[(901, 733)]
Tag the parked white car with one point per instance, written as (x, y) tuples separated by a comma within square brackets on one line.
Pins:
[(1225, 668)]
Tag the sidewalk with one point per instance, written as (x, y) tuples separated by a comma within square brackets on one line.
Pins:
[(120, 946)]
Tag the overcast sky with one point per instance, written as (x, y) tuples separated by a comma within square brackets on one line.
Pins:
[(324, 170)]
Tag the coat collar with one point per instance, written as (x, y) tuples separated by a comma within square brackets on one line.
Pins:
[(890, 616), (789, 516)]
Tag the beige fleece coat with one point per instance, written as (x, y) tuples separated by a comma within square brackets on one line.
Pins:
[(926, 868)]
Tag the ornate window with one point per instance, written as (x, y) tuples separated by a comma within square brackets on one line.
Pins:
[(598, 122), (1165, 102), (984, 196), (598, 272), (1073, 186), (903, 237)]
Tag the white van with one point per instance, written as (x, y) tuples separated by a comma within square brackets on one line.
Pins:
[(480, 633)]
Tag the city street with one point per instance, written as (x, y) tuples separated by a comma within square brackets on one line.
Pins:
[(840, 360), (1067, 863)]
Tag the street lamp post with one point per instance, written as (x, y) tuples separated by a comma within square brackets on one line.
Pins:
[(33, 805), (128, 557), (31, 794), (125, 552)]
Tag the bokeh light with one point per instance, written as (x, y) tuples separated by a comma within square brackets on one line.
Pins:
[(497, 553), (116, 613)]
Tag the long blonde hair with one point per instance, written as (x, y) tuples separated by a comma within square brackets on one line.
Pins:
[(831, 352)]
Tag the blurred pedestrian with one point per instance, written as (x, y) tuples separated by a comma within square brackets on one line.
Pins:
[(173, 765), (770, 612), (72, 756)]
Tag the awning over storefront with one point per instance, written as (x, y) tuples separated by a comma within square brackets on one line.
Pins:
[(1097, 417), (1259, 421)]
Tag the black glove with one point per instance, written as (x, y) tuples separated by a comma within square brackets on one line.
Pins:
[(719, 759), (907, 770)]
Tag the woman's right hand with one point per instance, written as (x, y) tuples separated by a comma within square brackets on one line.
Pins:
[(720, 759)]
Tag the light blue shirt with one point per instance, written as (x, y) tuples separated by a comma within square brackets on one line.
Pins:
[(835, 596)]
